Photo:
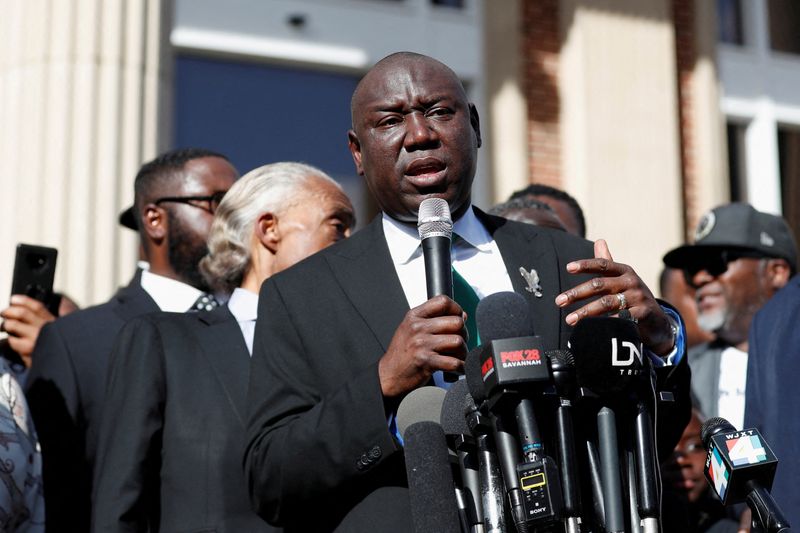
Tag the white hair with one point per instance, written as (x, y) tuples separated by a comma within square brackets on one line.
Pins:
[(267, 189)]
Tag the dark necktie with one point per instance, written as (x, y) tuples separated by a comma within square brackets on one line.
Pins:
[(465, 296), (206, 302)]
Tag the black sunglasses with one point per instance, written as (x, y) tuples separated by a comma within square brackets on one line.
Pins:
[(717, 264), (206, 203)]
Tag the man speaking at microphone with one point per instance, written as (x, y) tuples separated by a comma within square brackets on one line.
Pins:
[(343, 336)]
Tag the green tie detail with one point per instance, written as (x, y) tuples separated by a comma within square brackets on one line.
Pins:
[(465, 296)]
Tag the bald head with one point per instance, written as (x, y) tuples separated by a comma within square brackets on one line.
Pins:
[(392, 62), (415, 135)]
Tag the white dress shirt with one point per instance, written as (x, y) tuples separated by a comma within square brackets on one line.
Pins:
[(170, 295), (732, 382), (474, 254), (243, 305)]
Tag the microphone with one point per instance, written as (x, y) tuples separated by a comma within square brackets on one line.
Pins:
[(608, 361), (490, 480), (431, 490), (740, 466), (461, 441), (435, 227), (562, 368), (511, 363)]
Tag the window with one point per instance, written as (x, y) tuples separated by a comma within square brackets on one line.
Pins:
[(257, 113), (729, 15), (784, 25), (789, 161), (736, 162)]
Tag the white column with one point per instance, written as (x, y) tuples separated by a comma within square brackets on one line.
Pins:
[(82, 87), (761, 159)]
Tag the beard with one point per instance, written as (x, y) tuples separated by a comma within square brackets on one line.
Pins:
[(712, 321), (186, 249)]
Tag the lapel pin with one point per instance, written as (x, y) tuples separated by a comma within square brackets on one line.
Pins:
[(532, 279)]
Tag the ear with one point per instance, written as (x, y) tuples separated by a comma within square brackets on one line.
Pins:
[(475, 120), (355, 150), (267, 231), (155, 222), (778, 273)]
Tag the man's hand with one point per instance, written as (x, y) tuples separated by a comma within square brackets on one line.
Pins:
[(23, 320), (616, 278), (431, 337)]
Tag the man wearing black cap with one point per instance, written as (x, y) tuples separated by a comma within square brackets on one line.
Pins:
[(739, 259)]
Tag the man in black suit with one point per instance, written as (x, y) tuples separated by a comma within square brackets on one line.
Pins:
[(173, 427), (175, 197), (344, 335)]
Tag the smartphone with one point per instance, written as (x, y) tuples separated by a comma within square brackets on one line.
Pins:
[(34, 272)]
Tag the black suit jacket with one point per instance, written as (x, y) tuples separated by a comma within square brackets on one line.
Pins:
[(66, 391), (320, 456), (172, 433)]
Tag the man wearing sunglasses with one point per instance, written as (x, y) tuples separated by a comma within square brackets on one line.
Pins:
[(739, 259), (176, 195)]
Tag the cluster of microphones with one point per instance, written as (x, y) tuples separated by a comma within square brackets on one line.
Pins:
[(553, 440)]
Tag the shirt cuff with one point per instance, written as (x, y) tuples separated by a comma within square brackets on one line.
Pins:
[(674, 357)]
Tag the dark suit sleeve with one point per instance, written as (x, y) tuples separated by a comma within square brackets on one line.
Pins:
[(303, 444), (753, 408), (127, 468), (53, 397)]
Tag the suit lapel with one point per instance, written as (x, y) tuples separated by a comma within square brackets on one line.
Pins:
[(531, 250), (223, 346), (367, 275)]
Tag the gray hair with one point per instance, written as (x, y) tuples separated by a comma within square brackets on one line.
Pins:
[(267, 189)]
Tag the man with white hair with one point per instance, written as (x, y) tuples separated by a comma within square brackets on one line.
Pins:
[(173, 426)]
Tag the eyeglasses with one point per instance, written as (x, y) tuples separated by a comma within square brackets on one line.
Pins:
[(690, 448), (206, 203), (717, 264)]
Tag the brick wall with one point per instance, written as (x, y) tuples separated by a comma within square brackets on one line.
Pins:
[(541, 43)]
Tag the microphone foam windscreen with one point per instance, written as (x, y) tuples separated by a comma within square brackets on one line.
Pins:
[(561, 358), (714, 426), (503, 315), (431, 490), (608, 354), (453, 420), (422, 404), (474, 379), (434, 219)]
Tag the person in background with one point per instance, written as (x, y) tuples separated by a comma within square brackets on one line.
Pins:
[(675, 290), (689, 504), (739, 259), (176, 195), (772, 399), (568, 209), (169, 453), (529, 211)]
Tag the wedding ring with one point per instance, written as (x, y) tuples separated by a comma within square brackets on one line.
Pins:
[(623, 303)]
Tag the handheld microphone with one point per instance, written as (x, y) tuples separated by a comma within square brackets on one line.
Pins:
[(608, 362), (740, 466), (512, 363), (435, 227)]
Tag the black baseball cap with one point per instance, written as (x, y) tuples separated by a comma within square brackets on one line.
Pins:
[(128, 220), (737, 227)]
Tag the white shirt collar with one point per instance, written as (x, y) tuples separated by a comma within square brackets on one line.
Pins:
[(170, 295), (403, 239), (243, 305)]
